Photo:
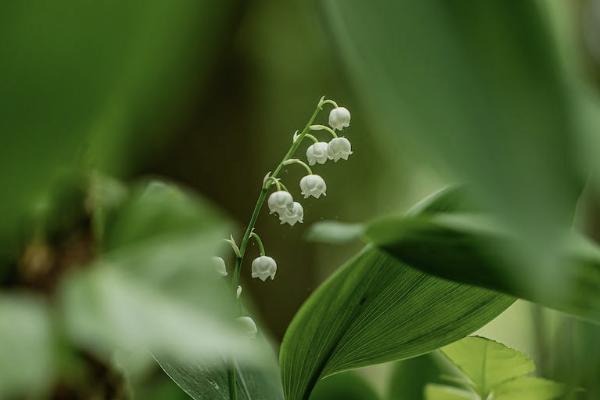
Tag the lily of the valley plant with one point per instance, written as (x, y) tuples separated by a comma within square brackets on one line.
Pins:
[(281, 202)]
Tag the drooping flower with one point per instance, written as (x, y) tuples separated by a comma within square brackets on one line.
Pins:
[(339, 118), (313, 185), (219, 265), (317, 153), (247, 326), (279, 201), (339, 147), (264, 267), (292, 215)]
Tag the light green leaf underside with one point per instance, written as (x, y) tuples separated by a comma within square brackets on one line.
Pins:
[(441, 392), (375, 309), (334, 232), (487, 363), (529, 388)]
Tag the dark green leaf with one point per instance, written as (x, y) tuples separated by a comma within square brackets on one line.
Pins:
[(410, 377), (375, 309), (346, 385)]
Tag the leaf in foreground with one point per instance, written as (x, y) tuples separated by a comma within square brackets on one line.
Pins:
[(375, 309)]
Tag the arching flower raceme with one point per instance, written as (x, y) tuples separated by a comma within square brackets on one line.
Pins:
[(264, 267), (220, 267), (279, 201), (292, 215), (339, 118), (313, 185), (317, 153), (339, 147), (248, 326)]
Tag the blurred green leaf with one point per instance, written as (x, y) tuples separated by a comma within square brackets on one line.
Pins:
[(371, 311), (468, 248), (156, 282), (476, 84), (440, 392), (79, 79), (27, 346), (334, 232), (410, 377), (200, 381), (496, 370), (347, 386)]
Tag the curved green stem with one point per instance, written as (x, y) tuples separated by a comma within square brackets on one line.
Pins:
[(311, 137), (323, 102), (323, 128), (300, 162), (261, 247)]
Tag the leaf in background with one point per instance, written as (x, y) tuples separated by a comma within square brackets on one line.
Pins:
[(347, 386), (375, 309), (257, 381), (498, 371), (88, 75), (468, 248), (410, 377), (334, 232), (440, 392), (478, 85), (27, 346), (156, 282)]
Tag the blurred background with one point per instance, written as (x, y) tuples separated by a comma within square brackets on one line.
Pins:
[(207, 94)]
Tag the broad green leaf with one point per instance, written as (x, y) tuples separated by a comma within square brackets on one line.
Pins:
[(477, 85), (155, 282), (469, 248), (334, 232), (200, 381), (529, 388), (27, 346), (346, 385), (441, 392), (372, 310), (487, 363), (496, 370)]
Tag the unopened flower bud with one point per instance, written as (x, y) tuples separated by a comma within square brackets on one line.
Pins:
[(238, 292), (339, 147), (220, 267), (317, 153), (292, 215), (279, 201), (313, 185), (264, 267), (339, 118), (248, 326)]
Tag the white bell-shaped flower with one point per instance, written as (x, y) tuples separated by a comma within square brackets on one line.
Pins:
[(317, 153), (264, 267), (247, 326), (339, 147), (279, 201), (339, 118), (219, 265), (313, 185), (292, 215)]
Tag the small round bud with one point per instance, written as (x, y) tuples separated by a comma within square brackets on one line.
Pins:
[(292, 215), (238, 292), (313, 185), (219, 265), (264, 267), (317, 153), (247, 326), (279, 201), (339, 147), (339, 118)]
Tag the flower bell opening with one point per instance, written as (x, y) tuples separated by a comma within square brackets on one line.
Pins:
[(264, 267), (339, 118), (313, 185)]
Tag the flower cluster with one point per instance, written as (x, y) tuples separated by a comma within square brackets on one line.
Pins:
[(281, 202)]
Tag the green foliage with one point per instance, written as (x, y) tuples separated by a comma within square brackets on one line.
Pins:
[(493, 369), (371, 311), (346, 385), (466, 247), (28, 346), (410, 377), (334, 232), (477, 86)]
